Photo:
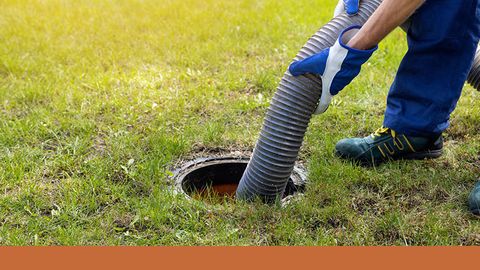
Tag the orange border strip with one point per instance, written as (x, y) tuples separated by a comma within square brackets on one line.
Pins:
[(245, 258)]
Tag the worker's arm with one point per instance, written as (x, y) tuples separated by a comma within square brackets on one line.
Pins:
[(389, 15), (341, 63)]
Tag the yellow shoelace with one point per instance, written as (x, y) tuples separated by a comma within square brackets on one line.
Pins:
[(396, 141), (383, 130)]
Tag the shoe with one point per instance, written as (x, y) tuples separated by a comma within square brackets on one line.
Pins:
[(474, 200), (385, 145)]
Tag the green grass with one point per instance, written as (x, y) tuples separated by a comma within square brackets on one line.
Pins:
[(98, 99)]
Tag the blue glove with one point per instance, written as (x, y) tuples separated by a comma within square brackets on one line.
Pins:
[(337, 65), (350, 6)]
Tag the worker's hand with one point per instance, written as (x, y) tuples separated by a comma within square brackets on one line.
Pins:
[(350, 6), (337, 66)]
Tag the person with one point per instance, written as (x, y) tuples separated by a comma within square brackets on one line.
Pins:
[(442, 38)]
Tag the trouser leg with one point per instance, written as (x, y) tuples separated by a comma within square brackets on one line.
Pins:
[(442, 41)]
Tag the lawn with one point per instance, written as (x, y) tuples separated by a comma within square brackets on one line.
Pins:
[(99, 99)]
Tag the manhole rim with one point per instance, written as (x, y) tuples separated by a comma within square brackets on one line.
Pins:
[(298, 177)]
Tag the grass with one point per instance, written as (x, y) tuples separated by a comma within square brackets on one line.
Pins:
[(98, 99)]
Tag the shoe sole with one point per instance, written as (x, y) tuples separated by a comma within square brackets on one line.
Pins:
[(429, 154)]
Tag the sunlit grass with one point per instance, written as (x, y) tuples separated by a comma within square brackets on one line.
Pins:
[(99, 98)]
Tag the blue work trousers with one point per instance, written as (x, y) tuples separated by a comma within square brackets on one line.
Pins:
[(442, 40)]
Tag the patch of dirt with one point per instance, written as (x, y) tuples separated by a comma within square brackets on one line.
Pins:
[(98, 148), (463, 127), (119, 176), (387, 234), (122, 224), (99, 145), (471, 240), (333, 222), (324, 202), (363, 205), (337, 222), (412, 201), (439, 195)]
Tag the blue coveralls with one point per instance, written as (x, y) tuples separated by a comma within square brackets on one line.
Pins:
[(442, 40)]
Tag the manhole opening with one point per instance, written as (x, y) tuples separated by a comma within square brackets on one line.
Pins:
[(216, 179)]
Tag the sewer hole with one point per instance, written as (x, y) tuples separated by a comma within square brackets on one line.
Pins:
[(216, 179)]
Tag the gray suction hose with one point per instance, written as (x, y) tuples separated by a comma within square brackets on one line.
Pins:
[(287, 118), (474, 75), (290, 111)]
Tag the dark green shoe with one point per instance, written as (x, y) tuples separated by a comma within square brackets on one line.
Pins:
[(474, 200), (385, 144)]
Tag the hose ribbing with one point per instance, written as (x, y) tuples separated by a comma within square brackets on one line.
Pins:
[(474, 75), (288, 116)]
